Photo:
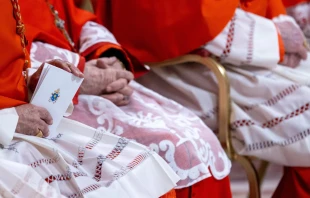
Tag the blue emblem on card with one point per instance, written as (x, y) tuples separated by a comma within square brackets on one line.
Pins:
[(54, 96)]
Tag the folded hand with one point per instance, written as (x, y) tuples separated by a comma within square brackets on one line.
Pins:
[(293, 40), (106, 77), (32, 120)]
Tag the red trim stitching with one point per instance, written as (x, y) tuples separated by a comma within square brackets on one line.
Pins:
[(59, 177), (121, 144), (230, 39), (95, 140), (272, 101), (266, 144), (278, 120), (249, 57), (141, 157), (44, 161), (274, 121), (90, 145)]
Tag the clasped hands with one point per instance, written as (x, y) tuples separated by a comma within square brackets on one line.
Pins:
[(106, 77), (294, 43), (102, 77)]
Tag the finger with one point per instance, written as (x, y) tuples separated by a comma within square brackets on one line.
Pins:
[(112, 60), (67, 67), (45, 115), (35, 78), (123, 103), (293, 60), (114, 97), (91, 63), (117, 64), (117, 85), (102, 63), (105, 62), (75, 71), (285, 59), (289, 62), (126, 91), (60, 64), (40, 69), (43, 127), (124, 74), (303, 53)]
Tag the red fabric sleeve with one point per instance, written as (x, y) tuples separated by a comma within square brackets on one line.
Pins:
[(102, 49), (275, 8), (6, 102), (289, 3), (106, 49)]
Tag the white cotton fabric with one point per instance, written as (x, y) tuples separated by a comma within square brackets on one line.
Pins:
[(84, 162), (270, 103), (8, 123)]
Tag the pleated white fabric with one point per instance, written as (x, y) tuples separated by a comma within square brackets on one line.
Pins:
[(84, 162)]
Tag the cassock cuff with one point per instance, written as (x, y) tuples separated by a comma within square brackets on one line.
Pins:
[(106, 49), (8, 124)]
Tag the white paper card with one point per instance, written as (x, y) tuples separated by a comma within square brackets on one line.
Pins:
[(54, 92)]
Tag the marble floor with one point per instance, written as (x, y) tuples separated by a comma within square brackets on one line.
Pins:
[(239, 183)]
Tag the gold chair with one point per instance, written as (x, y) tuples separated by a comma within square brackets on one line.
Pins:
[(223, 116)]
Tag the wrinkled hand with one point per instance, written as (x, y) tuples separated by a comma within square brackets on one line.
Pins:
[(57, 63), (293, 40), (291, 60), (110, 62), (120, 95), (31, 119), (109, 83)]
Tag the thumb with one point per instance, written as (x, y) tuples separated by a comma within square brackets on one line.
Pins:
[(35, 78), (101, 63)]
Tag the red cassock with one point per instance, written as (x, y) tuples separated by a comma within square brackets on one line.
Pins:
[(158, 30), (289, 3), (40, 26), (13, 90), (264, 8), (36, 11)]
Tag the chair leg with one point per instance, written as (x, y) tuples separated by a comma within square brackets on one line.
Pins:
[(254, 189), (262, 171)]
